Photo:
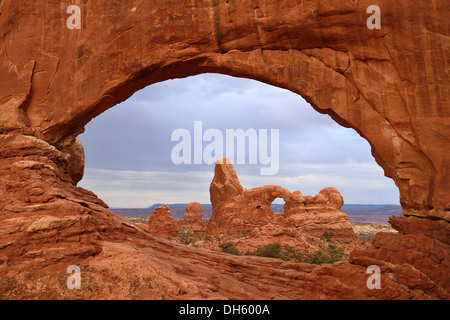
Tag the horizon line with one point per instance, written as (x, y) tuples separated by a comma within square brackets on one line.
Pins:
[(182, 203)]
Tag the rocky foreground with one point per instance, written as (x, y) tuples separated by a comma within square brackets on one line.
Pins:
[(47, 224), (292, 248)]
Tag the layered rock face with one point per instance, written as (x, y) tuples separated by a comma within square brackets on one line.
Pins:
[(390, 85), (236, 208)]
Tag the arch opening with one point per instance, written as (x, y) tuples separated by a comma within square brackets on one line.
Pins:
[(145, 122), (335, 95), (278, 205)]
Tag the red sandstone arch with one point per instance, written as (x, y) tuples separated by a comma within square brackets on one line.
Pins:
[(365, 79), (390, 85)]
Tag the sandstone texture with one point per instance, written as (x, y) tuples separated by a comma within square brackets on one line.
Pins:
[(236, 208), (162, 223), (389, 84), (193, 216)]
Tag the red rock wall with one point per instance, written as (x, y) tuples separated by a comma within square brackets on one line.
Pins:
[(390, 85)]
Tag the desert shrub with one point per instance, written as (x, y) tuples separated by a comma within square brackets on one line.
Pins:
[(271, 250), (243, 233), (275, 250), (331, 254), (290, 253), (229, 247), (328, 235), (186, 235)]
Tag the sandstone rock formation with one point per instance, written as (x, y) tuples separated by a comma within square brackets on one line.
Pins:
[(417, 256), (225, 184), (236, 208), (162, 224), (364, 79), (390, 85), (193, 216)]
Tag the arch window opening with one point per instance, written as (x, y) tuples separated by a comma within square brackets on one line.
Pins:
[(278, 205), (138, 157)]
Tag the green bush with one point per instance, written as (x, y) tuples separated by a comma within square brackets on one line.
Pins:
[(328, 235), (275, 250), (186, 235), (271, 250), (229, 247), (243, 233), (331, 254), (289, 253)]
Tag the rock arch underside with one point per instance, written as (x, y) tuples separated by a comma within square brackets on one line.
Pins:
[(391, 85)]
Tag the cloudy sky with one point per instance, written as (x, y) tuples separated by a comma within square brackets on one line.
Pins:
[(128, 148)]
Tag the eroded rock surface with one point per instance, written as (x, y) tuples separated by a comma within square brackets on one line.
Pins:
[(161, 222), (236, 208), (390, 85), (193, 216)]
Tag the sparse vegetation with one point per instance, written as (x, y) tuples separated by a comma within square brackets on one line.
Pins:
[(229, 247), (327, 236), (186, 235), (324, 247), (243, 233), (136, 219), (275, 250), (331, 254), (271, 250)]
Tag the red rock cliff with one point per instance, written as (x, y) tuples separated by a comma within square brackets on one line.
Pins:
[(390, 85)]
